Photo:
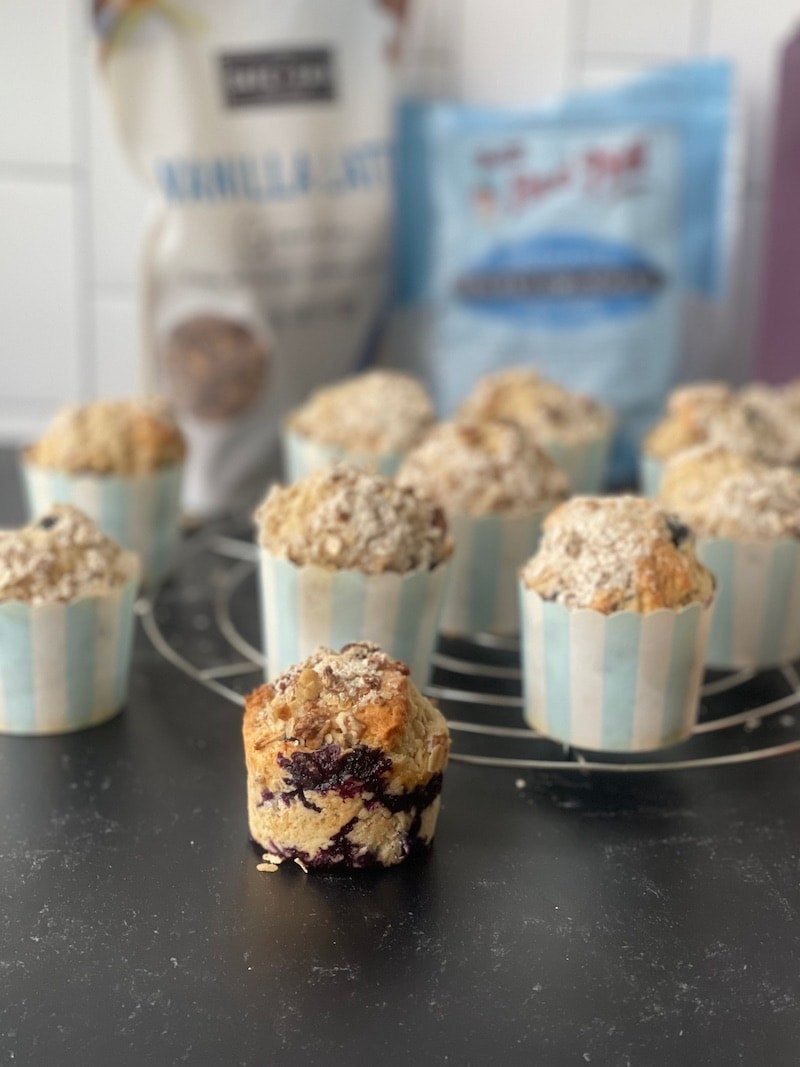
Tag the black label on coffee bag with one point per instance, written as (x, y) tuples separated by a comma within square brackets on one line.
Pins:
[(288, 76)]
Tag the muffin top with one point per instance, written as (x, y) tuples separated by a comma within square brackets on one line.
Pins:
[(111, 437), (550, 411), (376, 412), (356, 697), (617, 554), (722, 494), (343, 518), (482, 468), (61, 557), (689, 409), (759, 424)]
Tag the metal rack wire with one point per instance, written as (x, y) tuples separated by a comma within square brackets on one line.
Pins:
[(745, 716)]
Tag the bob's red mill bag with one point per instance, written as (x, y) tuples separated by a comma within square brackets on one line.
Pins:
[(262, 128)]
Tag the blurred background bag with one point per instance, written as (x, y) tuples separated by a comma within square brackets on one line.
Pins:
[(572, 237), (263, 131)]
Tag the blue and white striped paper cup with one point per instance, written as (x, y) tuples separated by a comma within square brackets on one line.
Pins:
[(757, 611), (585, 462), (141, 512), (481, 592), (64, 667), (301, 456), (651, 475), (305, 607), (625, 682)]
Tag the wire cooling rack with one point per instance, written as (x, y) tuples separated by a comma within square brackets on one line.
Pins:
[(204, 621)]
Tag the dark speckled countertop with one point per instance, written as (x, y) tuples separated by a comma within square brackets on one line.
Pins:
[(602, 920)]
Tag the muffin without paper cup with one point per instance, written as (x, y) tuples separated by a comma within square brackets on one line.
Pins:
[(615, 616), (345, 759), (369, 420), (303, 607), (349, 556), (64, 665), (624, 682), (141, 511), (495, 485)]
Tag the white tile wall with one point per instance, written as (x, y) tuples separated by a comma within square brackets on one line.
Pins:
[(71, 212)]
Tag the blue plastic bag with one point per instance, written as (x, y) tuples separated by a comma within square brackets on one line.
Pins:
[(565, 237)]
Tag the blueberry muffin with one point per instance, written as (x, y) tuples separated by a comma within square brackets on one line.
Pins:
[(346, 556), (747, 518), (689, 409), (370, 419), (617, 554), (61, 557), (616, 608), (66, 622), (125, 437), (495, 485), (344, 762), (121, 462), (344, 518), (575, 429)]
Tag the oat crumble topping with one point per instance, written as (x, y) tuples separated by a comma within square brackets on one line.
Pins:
[(379, 411), (111, 437), (343, 518), (549, 410), (59, 558), (483, 467), (611, 553)]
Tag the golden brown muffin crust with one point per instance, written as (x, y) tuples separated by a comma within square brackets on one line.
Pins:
[(126, 437), (722, 494), (616, 554)]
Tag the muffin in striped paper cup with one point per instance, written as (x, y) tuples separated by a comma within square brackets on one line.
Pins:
[(574, 429), (66, 624), (369, 420), (347, 556), (495, 486), (615, 615), (747, 519), (690, 410), (121, 462)]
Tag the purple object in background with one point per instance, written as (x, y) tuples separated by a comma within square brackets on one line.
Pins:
[(778, 344)]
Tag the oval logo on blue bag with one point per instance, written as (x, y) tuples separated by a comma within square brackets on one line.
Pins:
[(561, 279)]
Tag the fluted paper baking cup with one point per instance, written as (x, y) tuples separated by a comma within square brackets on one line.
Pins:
[(141, 512), (584, 462), (305, 607), (757, 611), (482, 588), (301, 456), (651, 475), (625, 682), (64, 667)]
